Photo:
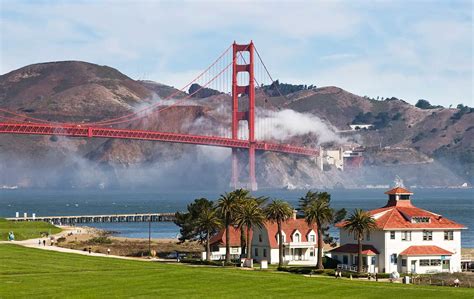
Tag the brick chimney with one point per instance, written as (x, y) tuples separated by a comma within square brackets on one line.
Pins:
[(294, 214)]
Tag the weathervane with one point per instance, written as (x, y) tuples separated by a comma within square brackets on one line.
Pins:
[(398, 182)]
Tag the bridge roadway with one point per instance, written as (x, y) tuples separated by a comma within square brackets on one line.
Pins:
[(103, 132), (63, 220)]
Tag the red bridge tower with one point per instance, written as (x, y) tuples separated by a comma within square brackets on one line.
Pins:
[(248, 115)]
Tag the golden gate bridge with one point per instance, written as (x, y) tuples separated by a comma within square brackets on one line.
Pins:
[(235, 74)]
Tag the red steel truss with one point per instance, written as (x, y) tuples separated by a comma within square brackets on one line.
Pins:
[(99, 132)]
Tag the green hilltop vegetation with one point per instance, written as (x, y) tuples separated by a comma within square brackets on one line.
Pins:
[(38, 273), (25, 230)]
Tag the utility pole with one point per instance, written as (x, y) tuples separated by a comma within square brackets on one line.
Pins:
[(149, 235)]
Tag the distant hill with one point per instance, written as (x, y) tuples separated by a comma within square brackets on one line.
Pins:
[(438, 143)]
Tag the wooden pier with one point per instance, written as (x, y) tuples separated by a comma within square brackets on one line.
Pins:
[(71, 220)]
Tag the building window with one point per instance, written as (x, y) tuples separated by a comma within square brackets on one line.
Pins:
[(406, 235), (393, 258), (420, 220), (282, 237), (260, 238), (424, 263), (435, 262), (448, 235), (368, 236), (427, 235), (345, 259), (256, 251), (392, 235), (373, 260), (264, 252), (312, 238), (297, 237), (404, 262), (311, 253)]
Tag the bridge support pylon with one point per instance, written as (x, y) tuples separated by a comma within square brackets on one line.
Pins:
[(249, 115)]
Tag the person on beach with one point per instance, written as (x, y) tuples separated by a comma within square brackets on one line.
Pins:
[(108, 251)]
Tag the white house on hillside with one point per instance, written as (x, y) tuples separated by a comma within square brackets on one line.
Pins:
[(299, 241), (408, 240)]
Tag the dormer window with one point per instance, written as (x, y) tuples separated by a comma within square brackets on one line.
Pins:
[(404, 196), (297, 237), (420, 219), (283, 237), (312, 238)]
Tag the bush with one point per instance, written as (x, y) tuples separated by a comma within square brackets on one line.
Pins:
[(297, 270), (424, 104), (100, 240), (329, 263), (204, 262)]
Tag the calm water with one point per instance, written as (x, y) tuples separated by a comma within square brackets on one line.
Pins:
[(456, 204)]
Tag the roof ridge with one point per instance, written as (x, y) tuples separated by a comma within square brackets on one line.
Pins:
[(389, 217)]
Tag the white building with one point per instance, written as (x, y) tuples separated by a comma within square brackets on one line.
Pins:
[(408, 240), (361, 127), (218, 242), (299, 243)]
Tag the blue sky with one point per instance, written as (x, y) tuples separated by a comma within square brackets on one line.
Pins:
[(407, 49)]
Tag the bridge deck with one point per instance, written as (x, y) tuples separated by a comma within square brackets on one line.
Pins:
[(102, 132), (138, 217)]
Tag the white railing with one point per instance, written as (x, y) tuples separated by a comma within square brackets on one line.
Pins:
[(350, 268)]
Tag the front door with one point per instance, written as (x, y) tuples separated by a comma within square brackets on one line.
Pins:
[(446, 265), (413, 266)]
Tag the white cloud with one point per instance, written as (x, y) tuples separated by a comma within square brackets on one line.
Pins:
[(369, 48)]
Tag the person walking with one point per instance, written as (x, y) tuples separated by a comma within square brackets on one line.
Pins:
[(90, 249), (456, 283), (44, 242), (39, 242), (108, 251)]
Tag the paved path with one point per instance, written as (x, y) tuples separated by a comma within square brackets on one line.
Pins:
[(33, 243)]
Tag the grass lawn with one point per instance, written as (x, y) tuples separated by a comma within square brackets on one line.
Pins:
[(25, 230), (33, 273)]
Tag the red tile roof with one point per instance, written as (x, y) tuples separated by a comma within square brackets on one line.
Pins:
[(354, 248), (288, 228), (400, 218), (219, 239), (425, 250), (398, 214), (398, 190)]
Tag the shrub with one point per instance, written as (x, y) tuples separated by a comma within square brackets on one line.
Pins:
[(100, 240)]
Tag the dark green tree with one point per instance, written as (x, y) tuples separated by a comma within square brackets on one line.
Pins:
[(317, 210), (359, 223)]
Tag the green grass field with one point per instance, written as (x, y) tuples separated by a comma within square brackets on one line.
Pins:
[(25, 230), (27, 272)]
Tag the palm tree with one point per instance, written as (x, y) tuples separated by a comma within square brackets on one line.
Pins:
[(207, 223), (359, 223), (279, 211), (242, 195), (249, 215), (226, 207), (317, 211)]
